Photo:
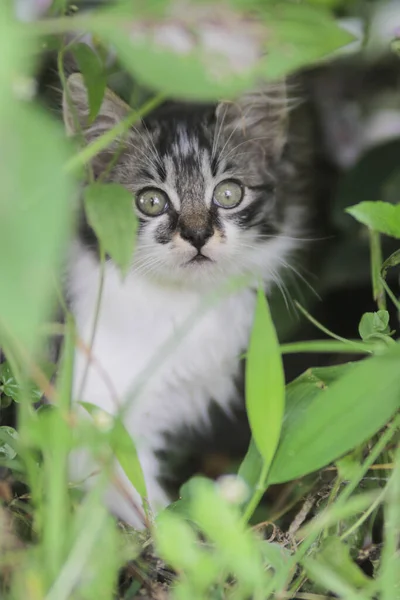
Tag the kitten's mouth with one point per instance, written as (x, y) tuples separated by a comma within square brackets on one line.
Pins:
[(199, 258)]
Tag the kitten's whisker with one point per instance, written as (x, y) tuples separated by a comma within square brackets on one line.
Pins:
[(147, 159), (217, 134), (156, 154), (264, 137), (221, 154), (146, 265), (282, 236), (300, 276), (279, 284)]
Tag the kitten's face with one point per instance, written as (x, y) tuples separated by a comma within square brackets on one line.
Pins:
[(204, 192)]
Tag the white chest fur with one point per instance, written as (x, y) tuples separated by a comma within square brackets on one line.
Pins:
[(140, 330)]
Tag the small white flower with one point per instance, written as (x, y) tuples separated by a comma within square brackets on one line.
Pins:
[(24, 88), (233, 488), (103, 420)]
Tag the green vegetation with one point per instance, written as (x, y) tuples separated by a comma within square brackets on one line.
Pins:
[(59, 545)]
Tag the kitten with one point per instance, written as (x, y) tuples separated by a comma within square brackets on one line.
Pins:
[(219, 191)]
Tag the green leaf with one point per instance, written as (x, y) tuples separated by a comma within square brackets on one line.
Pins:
[(94, 76), (189, 76), (19, 49), (251, 466), (373, 323), (237, 550), (325, 424), (380, 216), (8, 384), (121, 444), (334, 570), (265, 382), (298, 35), (109, 210), (207, 54), (179, 547), (125, 451), (8, 447), (299, 395), (392, 261), (10, 387), (35, 210)]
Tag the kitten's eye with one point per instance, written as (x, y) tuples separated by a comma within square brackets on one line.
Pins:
[(152, 202), (228, 194)]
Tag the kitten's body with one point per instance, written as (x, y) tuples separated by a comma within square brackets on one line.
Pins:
[(155, 322)]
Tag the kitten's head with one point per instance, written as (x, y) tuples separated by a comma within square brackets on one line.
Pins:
[(205, 180)]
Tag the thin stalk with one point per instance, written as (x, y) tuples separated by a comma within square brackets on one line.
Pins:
[(95, 321), (364, 516), (389, 292), (327, 331), (378, 290), (56, 448), (329, 346), (102, 142), (258, 493)]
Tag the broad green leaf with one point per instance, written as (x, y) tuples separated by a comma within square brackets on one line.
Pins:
[(380, 216), (36, 202), (94, 77), (236, 547), (265, 382), (19, 49), (373, 323), (121, 444), (193, 74), (348, 466), (334, 570), (125, 451), (299, 394), (228, 51), (338, 417), (179, 547), (250, 468), (298, 35), (109, 210)]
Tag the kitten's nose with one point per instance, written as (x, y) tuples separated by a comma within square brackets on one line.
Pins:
[(197, 236)]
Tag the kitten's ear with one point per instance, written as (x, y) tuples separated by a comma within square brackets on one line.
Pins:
[(76, 109), (260, 115)]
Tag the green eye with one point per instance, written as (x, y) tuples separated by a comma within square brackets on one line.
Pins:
[(228, 194), (152, 202)]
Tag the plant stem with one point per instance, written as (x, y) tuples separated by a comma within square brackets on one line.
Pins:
[(95, 321), (364, 516), (328, 346), (389, 292), (376, 264), (258, 493), (102, 142), (324, 329)]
